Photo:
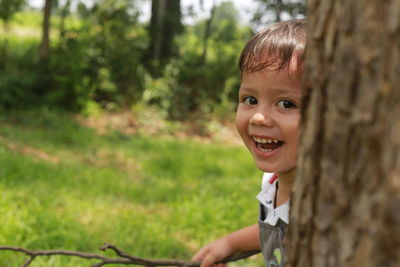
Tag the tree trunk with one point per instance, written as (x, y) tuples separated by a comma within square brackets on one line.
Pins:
[(165, 24), (44, 45), (63, 16), (346, 205), (156, 28), (278, 10), (4, 43), (172, 26), (207, 32)]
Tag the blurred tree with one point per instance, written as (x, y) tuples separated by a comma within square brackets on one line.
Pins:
[(165, 24), (100, 60), (204, 80), (63, 15), (207, 31), (221, 15), (8, 8), (44, 48), (82, 10), (276, 10), (119, 38), (225, 28)]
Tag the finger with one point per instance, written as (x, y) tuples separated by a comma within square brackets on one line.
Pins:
[(208, 261), (200, 254)]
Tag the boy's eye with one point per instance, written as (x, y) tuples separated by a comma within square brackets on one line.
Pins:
[(285, 104), (250, 100)]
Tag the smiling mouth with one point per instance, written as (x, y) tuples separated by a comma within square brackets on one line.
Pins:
[(267, 145)]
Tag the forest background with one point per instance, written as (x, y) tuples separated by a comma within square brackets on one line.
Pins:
[(94, 104)]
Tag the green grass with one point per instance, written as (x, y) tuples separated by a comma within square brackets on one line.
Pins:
[(27, 26), (152, 197)]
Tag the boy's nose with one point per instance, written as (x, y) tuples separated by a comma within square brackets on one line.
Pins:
[(261, 120)]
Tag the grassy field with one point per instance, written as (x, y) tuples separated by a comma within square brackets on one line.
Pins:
[(62, 186), (28, 25)]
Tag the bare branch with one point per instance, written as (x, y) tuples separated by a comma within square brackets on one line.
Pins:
[(124, 258), (28, 261), (34, 253)]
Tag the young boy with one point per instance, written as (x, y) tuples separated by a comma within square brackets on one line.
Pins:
[(267, 120)]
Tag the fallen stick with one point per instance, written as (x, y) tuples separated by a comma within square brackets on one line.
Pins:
[(124, 258)]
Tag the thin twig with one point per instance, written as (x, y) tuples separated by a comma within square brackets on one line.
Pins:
[(31, 258), (124, 257)]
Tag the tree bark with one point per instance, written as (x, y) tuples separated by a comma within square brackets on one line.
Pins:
[(346, 205), (44, 49)]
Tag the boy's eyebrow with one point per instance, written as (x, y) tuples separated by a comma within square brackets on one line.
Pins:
[(276, 90), (285, 90), (247, 90)]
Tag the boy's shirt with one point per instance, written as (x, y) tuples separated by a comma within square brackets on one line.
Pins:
[(267, 199)]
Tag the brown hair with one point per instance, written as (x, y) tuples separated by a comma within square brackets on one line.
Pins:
[(280, 45)]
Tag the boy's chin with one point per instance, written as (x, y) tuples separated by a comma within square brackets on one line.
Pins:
[(264, 167), (274, 169)]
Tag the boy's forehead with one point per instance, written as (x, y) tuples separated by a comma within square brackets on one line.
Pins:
[(269, 74), (265, 62), (280, 81)]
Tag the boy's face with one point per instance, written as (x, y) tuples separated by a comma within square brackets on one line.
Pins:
[(267, 119)]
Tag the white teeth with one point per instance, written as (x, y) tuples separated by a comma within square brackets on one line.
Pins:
[(264, 141), (265, 149)]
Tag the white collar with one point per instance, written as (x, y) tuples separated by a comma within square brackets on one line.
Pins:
[(267, 198)]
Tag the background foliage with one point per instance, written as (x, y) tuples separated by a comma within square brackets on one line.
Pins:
[(102, 54)]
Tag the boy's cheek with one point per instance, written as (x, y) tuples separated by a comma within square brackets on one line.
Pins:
[(237, 121), (241, 127)]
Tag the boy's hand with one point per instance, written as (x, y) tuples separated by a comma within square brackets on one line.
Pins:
[(245, 239), (214, 252)]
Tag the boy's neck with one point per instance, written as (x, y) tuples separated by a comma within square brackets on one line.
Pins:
[(285, 186)]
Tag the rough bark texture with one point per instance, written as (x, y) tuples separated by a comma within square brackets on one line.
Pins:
[(346, 206)]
